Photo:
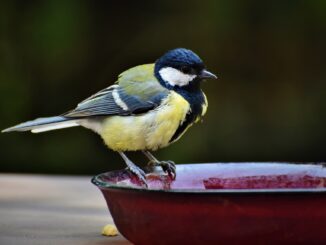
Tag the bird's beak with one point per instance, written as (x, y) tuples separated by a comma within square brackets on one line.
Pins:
[(207, 74)]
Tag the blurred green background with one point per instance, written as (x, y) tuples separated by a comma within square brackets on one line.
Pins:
[(268, 105)]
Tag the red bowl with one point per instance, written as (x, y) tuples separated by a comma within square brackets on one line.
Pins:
[(221, 203)]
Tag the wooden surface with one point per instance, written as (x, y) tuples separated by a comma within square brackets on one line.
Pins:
[(39, 209)]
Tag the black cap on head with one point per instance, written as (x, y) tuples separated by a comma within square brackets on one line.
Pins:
[(179, 58), (181, 68)]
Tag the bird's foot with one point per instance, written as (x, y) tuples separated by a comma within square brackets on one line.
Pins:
[(138, 172), (167, 166)]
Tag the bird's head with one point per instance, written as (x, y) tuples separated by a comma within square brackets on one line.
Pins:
[(181, 68)]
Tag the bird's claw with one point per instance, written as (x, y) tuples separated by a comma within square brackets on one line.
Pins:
[(167, 166), (140, 174)]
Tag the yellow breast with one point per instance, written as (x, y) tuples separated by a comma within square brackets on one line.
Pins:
[(148, 131)]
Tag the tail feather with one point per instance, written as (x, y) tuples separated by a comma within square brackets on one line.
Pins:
[(44, 124)]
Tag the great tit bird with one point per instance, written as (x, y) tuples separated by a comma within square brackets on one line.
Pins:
[(149, 107)]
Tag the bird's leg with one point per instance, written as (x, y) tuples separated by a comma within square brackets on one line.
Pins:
[(167, 166), (134, 169)]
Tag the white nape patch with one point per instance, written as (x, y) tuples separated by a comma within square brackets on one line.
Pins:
[(118, 100), (175, 77)]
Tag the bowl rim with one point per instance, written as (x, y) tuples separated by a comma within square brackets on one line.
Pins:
[(96, 180)]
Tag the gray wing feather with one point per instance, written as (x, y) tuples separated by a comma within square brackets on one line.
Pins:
[(103, 103), (98, 106)]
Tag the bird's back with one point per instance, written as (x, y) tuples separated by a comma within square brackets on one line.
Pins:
[(140, 81)]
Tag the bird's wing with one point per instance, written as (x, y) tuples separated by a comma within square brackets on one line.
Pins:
[(136, 91)]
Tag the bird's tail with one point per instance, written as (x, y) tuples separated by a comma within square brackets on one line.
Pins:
[(44, 124)]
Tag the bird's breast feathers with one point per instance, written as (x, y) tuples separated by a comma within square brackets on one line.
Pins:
[(151, 130)]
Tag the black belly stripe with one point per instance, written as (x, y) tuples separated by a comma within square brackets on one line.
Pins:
[(188, 121), (196, 100)]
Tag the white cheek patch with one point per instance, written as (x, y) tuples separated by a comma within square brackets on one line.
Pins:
[(175, 77)]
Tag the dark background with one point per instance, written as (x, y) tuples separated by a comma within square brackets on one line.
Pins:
[(268, 105)]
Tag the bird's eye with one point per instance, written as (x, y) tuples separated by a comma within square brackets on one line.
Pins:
[(186, 69)]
